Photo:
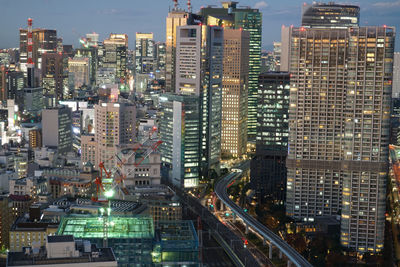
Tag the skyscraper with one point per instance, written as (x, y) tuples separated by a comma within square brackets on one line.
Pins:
[(89, 52), (53, 75), (268, 170), (79, 72), (115, 54), (160, 57), (340, 102), (366, 137), (43, 41), (115, 126), (199, 52), (176, 17), (330, 15), (396, 75), (234, 92), (144, 53), (248, 19), (57, 128), (180, 132)]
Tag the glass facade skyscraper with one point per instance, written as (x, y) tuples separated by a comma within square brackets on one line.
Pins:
[(180, 132), (268, 170), (330, 15), (199, 51), (248, 19)]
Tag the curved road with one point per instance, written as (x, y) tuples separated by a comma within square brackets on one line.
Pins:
[(291, 253)]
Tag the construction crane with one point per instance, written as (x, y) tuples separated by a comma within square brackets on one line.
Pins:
[(108, 181)]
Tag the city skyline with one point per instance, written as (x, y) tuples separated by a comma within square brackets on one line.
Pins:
[(104, 17)]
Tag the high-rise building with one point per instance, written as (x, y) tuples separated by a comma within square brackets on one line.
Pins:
[(57, 128), (160, 54), (115, 54), (176, 17), (53, 75), (234, 92), (339, 128), (115, 126), (144, 53), (396, 75), (268, 169), (32, 103), (330, 15), (91, 54), (366, 137), (180, 133), (286, 37), (43, 41), (3, 83), (14, 85), (248, 19), (277, 55), (199, 51), (79, 72)]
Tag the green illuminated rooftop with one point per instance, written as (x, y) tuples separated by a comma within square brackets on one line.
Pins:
[(118, 227)]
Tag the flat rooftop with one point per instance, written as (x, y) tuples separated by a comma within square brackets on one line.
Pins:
[(22, 259), (89, 227)]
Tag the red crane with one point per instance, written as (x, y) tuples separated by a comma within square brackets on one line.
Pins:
[(108, 181)]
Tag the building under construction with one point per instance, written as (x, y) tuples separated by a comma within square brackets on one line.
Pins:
[(135, 240)]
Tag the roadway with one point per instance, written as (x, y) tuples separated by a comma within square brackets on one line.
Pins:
[(221, 192)]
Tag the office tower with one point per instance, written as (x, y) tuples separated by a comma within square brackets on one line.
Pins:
[(268, 167), (32, 102), (114, 55), (115, 126), (249, 19), (199, 51), (176, 17), (234, 92), (330, 15), (57, 128), (286, 37), (91, 54), (44, 41), (277, 55), (396, 75), (15, 84), (160, 57), (79, 71), (144, 53), (53, 75), (340, 97), (366, 137), (180, 132)]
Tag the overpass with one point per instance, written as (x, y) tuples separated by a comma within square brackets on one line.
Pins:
[(274, 240)]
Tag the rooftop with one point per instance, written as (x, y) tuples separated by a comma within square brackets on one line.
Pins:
[(60, 238), (96, 255), (119, 227)]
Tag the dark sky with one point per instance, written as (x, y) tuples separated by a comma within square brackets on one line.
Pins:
[(74, 18)]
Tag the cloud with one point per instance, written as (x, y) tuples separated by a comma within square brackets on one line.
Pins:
[(387, 4), (261, 5)]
